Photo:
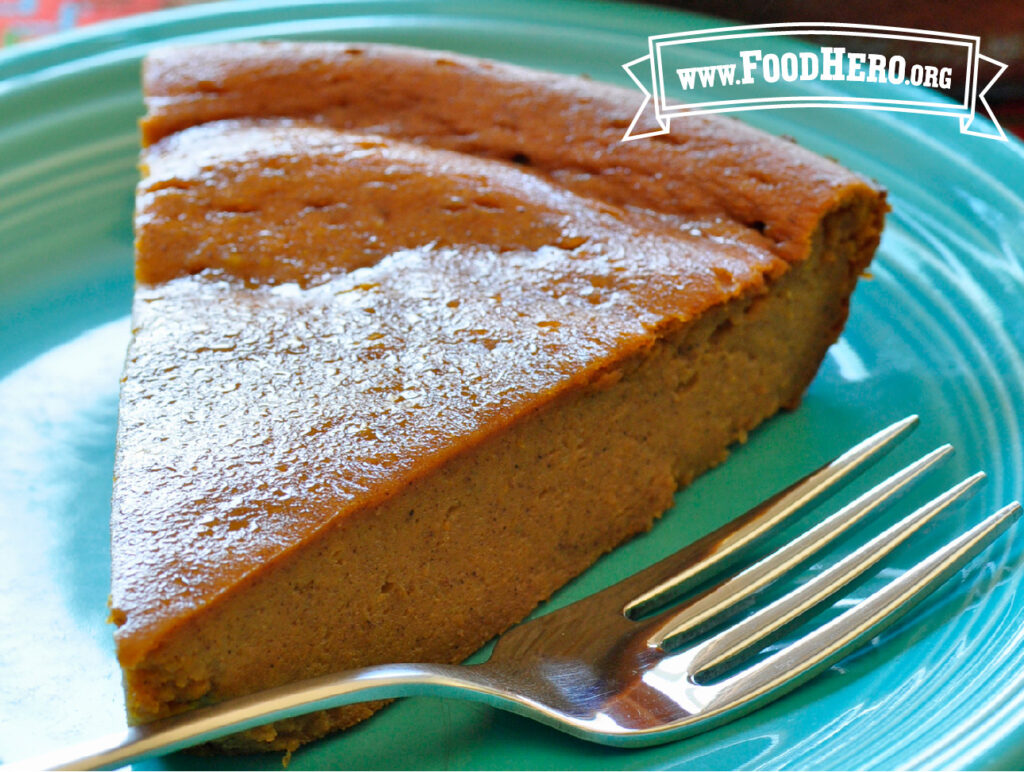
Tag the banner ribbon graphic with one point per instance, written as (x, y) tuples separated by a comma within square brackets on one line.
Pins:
[(754, 66)]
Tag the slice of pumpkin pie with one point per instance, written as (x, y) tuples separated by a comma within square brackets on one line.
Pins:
[(416, 339)]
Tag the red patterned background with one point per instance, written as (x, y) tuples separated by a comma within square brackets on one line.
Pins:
[(25, 19)]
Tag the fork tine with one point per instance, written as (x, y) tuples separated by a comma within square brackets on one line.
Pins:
[(726, 599), (665, 581), (802, 659), (731, 644)]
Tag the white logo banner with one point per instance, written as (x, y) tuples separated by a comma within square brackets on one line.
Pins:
[(753, 68)]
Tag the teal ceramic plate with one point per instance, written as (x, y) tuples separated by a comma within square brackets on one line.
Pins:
[(936, 330)]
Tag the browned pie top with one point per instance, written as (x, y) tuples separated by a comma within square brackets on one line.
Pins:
[(325, 315)]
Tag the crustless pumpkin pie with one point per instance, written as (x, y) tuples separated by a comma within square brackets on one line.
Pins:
[(416, 338)]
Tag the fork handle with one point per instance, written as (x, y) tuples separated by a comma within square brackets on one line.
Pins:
[(210, 723)]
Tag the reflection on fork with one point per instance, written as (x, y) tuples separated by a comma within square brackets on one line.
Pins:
[(652, 658)]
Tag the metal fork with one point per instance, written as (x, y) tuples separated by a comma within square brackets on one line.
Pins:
[(633, 665)]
